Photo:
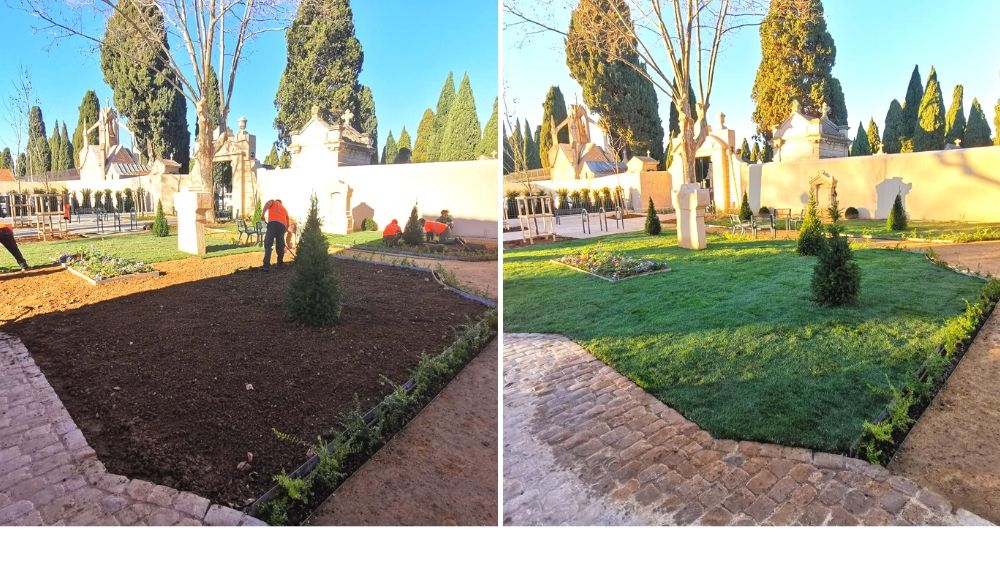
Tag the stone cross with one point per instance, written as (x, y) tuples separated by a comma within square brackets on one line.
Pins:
[(347, 116)]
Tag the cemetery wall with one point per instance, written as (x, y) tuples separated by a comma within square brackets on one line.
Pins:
[(959, 184), (348, 194)]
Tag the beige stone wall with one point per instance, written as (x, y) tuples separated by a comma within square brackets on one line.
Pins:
[(959, 184), (349, 194)]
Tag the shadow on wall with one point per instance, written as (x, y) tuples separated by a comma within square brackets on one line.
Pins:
[(885, 195), (361, 212), (959, 159)]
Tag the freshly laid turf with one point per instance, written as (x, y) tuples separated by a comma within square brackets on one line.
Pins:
[(730, 337)]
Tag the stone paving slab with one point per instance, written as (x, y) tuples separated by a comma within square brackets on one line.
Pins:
[(49, 475), (583, 445)]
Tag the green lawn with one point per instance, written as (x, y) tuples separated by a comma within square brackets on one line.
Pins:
[(929, 230), (730, 337), (141, 246)]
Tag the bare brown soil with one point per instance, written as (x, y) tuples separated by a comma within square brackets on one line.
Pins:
[(955, 446), (176, 379)]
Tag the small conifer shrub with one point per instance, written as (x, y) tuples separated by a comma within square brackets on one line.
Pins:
[(836, 277), (811, 236), (313, 295), (413, 234), (653, 226), (369, 223), (897, 216), (160, 226), (745, 212)]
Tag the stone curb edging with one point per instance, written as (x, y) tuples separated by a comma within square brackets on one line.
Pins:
[(594, 448)]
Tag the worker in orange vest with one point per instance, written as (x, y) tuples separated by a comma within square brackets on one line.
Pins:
[(434, 228), (8, 241), (392, 234), (277, 224)]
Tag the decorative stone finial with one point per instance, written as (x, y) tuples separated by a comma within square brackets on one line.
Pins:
[(315, 111), (243, 124), (722, 120), (346, 116), (825, 110)]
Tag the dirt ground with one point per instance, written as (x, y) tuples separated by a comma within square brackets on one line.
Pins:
[(955, 446), (176, 379), (441, 469)]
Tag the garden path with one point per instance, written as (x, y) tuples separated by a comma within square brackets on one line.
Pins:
[(441, 468), (49, 475), (954, 448), (583, 445)]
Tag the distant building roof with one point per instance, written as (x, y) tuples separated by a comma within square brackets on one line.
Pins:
[(6, 174), (603, 168), (124, 170)]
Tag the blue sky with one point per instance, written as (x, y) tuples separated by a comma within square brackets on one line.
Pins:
[(409, 49), (878, 42)]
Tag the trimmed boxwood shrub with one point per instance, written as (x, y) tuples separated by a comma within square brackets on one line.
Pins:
[(897, 216), (851, 213), (369, 223), (764, 211), (653, 226)]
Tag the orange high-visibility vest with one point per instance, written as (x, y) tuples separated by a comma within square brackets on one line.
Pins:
[(435, 227), (392, 230), (277, 212)]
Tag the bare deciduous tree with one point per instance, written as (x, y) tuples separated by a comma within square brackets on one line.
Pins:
[(676, 43), (212, 34)]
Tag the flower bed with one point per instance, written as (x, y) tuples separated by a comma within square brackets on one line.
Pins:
[(97, 266), (608, 266)]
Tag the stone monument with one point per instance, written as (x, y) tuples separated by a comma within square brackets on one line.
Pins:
[(690, 201), (191, 207)]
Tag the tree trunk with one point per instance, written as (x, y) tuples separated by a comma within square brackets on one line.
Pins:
[(206, 153), (688, 150)]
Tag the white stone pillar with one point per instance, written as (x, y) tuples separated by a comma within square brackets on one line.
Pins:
[(689, 204), (191, 207)]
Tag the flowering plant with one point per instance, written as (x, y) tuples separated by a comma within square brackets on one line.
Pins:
[(101, 265), (601, 262)]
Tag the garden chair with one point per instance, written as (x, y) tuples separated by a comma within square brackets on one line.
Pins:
[(736, 223), (796, 222), (761, 223), (259, 229)]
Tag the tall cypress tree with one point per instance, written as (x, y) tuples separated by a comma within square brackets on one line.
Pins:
[(488, 141), (977, 132), (861, 146), (532, 160), (144, 93), (285, 160), (323, 63), (954, 122), (745, 151), (874, 140), (89, 113), (553, 110), (38, 151), (929, 133), (55, 148), (272, 157), (911, 104), (22, 165), (462, 133), (797, 58), (754, 154), (445, 100), (518, 156), (625, 100), (422, 145), (996, 123), (508, 152), (390, 150), (368, 120), (6, 160), (404, 149), (894, 132), (68, 149)]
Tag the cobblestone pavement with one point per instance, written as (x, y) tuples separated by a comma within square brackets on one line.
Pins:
[(583, 445), (49, 475)]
